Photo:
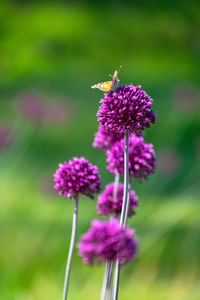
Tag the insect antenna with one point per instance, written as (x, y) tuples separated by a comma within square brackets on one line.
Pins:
[(120, 67)]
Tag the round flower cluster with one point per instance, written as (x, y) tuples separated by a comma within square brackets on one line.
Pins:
[(105, 139), (107, 241), (77, 176), (108, 206), (126, 109), (141, 158)]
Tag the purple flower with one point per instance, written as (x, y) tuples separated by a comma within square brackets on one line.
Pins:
[(42, 112), (31, 106), (7, 136), (169, 161), (105, 139), (57, 112), (107, 241), (108, 206), (126, 109), (186, 97), (197, 147), (77, 176), (141, 158)]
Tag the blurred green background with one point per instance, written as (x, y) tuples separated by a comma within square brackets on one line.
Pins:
[(51, 52)]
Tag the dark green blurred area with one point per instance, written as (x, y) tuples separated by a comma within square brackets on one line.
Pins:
[(50, 55)]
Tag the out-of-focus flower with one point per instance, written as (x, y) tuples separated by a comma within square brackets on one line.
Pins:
[(105, 139), (186, 97), (31, 106), (77, 176), (46, 186), (6, 136), (126, 109), (168, 161), (197, 146), (57, 111), (107, 241), (40, 111), (141, 158), (108, 206)]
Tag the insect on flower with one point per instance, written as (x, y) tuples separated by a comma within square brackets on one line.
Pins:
[(108, 86)]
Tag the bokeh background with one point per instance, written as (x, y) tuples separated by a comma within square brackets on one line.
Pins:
[(51, 52)]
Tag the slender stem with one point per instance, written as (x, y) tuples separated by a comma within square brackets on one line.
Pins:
[(124, 208), (106, 280), (116, 186), (109, 286), (116, 281), (71, 248), (126, 179), (106, 288), (128, 201), (103, 292)]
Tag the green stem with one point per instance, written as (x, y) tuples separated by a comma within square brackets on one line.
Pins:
[(125, 205), (106, 288), (71, 248)]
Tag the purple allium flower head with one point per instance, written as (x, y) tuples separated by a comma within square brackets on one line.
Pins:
[(107, 241), (126, 109), (105, 139), (77, 176), (141, 158), (108, 206)]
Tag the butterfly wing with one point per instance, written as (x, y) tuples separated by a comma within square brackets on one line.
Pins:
[(115, 80), (103, 86)]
